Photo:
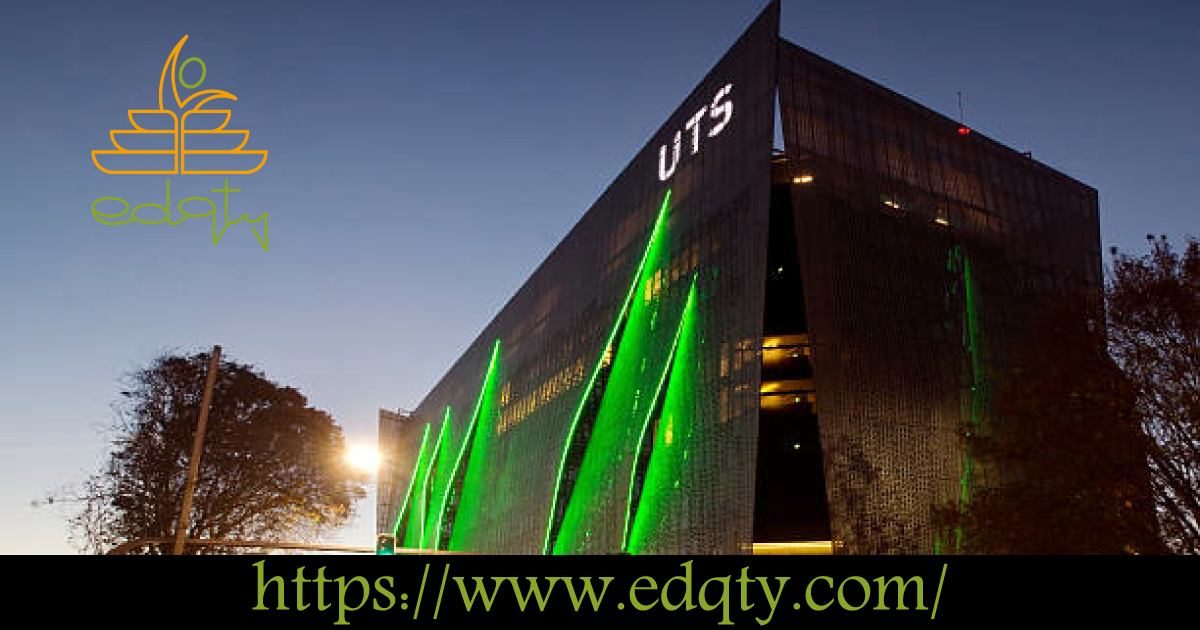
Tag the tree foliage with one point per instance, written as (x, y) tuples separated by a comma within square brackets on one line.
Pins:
[(1154, 334), (272, 467), (1061, 466), (1094, 444)]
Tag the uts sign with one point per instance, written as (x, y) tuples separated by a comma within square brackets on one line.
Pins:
[(721, 111)]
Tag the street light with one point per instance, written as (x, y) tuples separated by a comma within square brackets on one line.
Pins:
[(364, 459)]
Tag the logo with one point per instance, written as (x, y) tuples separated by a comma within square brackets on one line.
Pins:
[(721, 111), (179, 130), (170, 136)]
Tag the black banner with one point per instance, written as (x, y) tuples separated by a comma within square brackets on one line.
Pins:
[(324, 590)]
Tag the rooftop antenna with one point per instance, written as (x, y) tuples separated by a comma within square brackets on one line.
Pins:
[(963, 129)]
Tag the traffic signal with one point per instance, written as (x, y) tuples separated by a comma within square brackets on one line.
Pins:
[(385, 545)]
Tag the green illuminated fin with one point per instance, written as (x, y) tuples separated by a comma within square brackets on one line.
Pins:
[(437, 460), (476, 497), (594, 517), (548, 538), (468, 439), (977, 402), (411, 482), (679, 375), (418, 506)]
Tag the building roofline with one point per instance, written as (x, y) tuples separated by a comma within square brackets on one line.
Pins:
[(928, 112)]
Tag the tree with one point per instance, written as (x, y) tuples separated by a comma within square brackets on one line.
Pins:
[(1094, 446), (272, 467), (1154, 335), (1061, 464)]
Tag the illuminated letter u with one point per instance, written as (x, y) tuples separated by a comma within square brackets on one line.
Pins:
[(664, 173)]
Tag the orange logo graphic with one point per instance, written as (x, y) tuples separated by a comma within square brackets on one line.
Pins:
[(180, 130)]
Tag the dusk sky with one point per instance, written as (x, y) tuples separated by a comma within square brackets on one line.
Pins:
[(426, 156)]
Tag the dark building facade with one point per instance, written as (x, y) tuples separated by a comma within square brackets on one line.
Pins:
[(394, 429), (739, 349)]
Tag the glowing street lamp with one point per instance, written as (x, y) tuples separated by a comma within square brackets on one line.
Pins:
[(364, 459)]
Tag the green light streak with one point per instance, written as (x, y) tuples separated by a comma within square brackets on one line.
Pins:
[(637, 454), (466, 442), (479, 481), (432, 461), (978, 383), (587, 391), (975, 407), (420, 503), (980, 393), (592, 519), (413, 478), (441, 467), (671, 452)]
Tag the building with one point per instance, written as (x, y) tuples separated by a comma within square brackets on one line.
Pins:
[(739, 349), (394, 430)]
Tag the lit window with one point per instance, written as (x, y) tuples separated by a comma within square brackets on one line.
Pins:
[(803, 179)]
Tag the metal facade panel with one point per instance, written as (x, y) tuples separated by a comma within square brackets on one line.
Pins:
[(395, 470), (926, 254), (553, 331)]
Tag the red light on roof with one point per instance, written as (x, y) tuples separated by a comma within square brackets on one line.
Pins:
[(964, 131)]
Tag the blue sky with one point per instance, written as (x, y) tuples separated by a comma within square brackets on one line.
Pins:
[(426, 156)]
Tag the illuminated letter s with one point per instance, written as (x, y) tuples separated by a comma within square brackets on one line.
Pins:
[(664, 173), (721, 110)]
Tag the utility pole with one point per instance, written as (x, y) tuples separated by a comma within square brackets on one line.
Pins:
[(181, 526)]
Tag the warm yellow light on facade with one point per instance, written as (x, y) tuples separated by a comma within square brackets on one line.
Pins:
[(941, 221), (806, 548), (803, 179)]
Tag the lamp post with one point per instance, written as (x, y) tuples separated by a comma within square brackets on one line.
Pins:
[(185, 511)]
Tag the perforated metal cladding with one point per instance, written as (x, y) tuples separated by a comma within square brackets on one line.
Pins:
[(896, 188), (909, 234), (553, 331), (395, 468)]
